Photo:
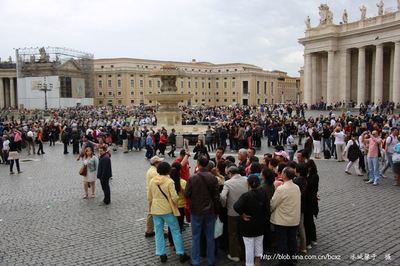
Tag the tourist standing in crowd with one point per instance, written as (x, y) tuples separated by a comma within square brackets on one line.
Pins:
[(91, 162), (390, 143), (200, 150), (267, 184), (180, 186), (6, 149), (285, 215), (308, 145), (172, 142), (75, 137), (151, 173), (232, 190), (253, 208), (311, 208), (291, 145), (353, 154), (39, 141), (219, 153), (30, 140), (316, 143), (301, 180), (13, 155), (163, 142), (183, 159), (163, 201), (373, 141), (396, 164), (149, 145), (339, 143), (242, 158), (202, 190), (210, 139), (326, 138), (104, 173), (65, 140)]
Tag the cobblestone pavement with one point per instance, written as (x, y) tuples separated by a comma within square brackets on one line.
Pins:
[(45, 221)]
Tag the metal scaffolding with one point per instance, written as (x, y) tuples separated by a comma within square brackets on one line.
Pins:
[(55, 57)]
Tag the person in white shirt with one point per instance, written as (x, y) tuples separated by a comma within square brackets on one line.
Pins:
[(353, 154), (6, 148), (30, 139), (391, 142), (339, 143)]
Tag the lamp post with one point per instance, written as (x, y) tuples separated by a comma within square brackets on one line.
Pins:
[(45, 89)]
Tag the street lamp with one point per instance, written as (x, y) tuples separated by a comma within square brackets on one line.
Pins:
[(45, 89)]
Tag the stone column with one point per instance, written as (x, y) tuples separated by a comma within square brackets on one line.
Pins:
[(361, 76), (396, 74), (345, 80), (330, 78), (12, 93), (315, 88), (7, 94), (1, 93), (378, 95), (307, 79)]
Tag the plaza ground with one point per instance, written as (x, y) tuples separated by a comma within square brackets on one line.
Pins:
[(45, 221)]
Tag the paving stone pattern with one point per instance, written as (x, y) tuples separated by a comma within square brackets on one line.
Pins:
[(45, 221)]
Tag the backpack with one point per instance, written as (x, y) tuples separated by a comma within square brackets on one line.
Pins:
[(354, 152), (387, 144)]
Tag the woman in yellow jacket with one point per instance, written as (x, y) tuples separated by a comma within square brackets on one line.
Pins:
[(164, 202), (180, 186)]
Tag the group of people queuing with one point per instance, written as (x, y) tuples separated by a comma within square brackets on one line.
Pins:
[(245, 206)]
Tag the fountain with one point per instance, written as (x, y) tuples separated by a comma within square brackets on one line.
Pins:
[(168, 115)]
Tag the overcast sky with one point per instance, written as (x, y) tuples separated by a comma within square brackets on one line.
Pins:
[(260, 32)]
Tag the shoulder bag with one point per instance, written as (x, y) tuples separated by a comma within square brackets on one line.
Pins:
[(83, 170), (175, 210)]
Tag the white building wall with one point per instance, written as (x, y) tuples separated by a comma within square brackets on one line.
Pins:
[(30, 97)]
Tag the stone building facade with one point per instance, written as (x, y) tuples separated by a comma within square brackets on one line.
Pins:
[(125, 81), (8, 85), (352, 62)]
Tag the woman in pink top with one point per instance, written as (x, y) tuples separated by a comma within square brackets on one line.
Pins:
[(373, 142)]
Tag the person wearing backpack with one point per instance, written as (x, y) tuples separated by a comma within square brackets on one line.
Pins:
[(390, 143), (353, 154)]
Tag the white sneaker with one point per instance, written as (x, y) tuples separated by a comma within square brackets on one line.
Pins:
[(235, 259), (314, 243), (309, 247)]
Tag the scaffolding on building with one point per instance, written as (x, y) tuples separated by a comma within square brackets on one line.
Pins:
[(55, 57)]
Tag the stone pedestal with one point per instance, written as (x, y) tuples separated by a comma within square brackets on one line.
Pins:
[(168, 115)]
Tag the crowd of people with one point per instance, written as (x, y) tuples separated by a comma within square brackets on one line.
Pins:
[(247, 205), (259, 204)]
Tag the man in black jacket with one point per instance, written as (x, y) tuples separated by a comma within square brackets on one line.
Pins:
[(202, 190), (104, 173)]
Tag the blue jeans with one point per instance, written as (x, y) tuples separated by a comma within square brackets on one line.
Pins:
[(130, 144), (389, 163), (207, 223), (326, 142), (291, 155), (373, 166), (173, 225)]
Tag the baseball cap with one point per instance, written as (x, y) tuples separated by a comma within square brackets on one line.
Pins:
[(156, 159)]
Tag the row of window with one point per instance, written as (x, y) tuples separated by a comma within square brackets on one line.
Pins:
[(225, 84), (193, 70), (245, 87), (110, 102)]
